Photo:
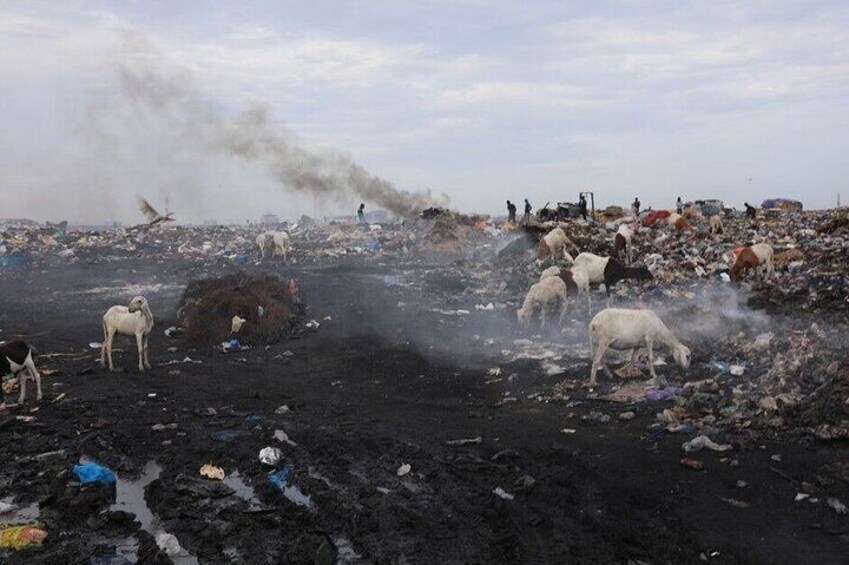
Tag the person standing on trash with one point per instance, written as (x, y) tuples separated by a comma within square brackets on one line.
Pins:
[(582, 206), (361, 214), (635, 207), (679, 205), (750, 210), (511, 212), (527, 217)]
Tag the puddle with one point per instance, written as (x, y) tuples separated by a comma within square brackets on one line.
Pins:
[(296, 495), (243, 490), (345, 552), (18, 515), (129, 497), (130, 290)]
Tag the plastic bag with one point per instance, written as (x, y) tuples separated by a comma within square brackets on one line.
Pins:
[(94, 473), (281, 477), (19, 537)]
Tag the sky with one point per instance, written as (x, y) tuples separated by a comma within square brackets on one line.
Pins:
[(482, 101)]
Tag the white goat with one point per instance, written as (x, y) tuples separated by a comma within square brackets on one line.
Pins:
[(135, 319), (274, 243), (547, 294), (578, 278), (716, 225), (553, 243), (632, 329)]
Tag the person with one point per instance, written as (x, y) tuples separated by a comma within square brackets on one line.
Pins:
[(361, 214), (528, 208), (511, 212), (635, 207), (679, 205), (750, 210), (582, 206)]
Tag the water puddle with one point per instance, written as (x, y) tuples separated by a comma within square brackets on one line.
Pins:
[(12, 514), (345, 552), (243, 490), (296, 495), (129, 497)]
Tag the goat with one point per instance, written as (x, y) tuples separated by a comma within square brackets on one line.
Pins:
[(751, 258), (135, 319), (576, 279), (622, 243), (16, 358), (622, 329), (549, 293), (274, 243), (609, 271), (553, 243), (716, 225)]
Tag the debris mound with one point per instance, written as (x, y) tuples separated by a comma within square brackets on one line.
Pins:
[(828, 409), (448, 234), (268, 305), (839, 224)]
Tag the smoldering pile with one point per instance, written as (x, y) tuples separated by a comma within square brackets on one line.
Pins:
[(269, 307)]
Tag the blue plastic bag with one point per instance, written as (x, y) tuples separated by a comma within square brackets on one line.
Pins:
[(94, 473), (224, 435), (282, 476)]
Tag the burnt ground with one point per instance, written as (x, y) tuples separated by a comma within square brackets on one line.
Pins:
[(376, 386)]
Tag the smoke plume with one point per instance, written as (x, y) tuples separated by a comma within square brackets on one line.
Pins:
[(158, 92)]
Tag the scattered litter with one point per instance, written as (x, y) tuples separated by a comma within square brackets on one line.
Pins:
[(270, 456), (212, 472), (501, 493), (225, 436), (736, 503), (18, 537), (702, 441), (692, 464), (280, 435), (281, 477), (93, 473), (836, 505), (464, 441), (667, 393), (403, 469), (596, 417)]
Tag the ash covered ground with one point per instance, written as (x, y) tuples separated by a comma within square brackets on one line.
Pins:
[(408, 353)]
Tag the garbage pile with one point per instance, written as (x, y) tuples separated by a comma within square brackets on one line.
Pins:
[(767, 355), (240, 310)]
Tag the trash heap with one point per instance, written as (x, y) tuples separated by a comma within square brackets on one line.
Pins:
[(266, 307), (767, 355)]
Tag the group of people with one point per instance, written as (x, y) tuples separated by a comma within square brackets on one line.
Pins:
[(582, 208), (511, 210)]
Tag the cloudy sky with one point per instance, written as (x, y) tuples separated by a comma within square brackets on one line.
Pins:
[(481, 100)]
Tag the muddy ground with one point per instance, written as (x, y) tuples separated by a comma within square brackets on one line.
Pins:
[(377, 385)]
